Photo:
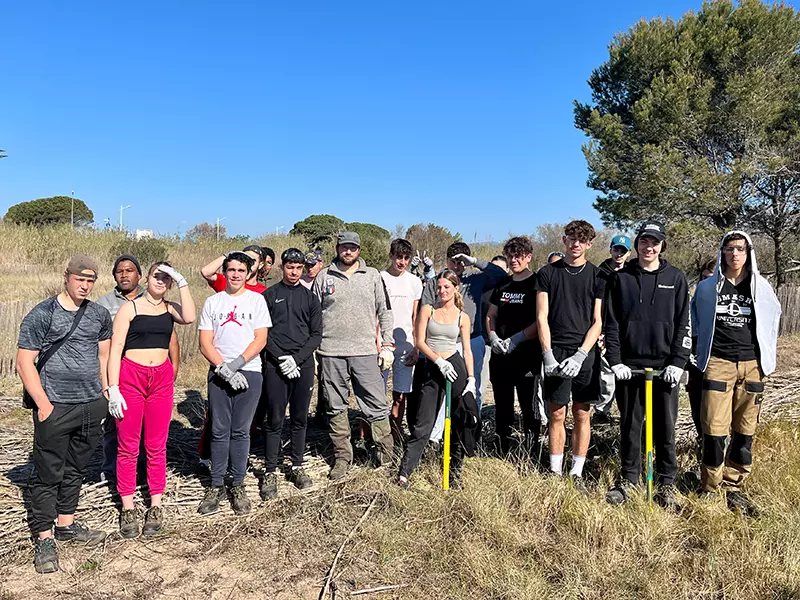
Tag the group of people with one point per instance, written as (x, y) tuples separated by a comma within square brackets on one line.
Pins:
[(571, 333)]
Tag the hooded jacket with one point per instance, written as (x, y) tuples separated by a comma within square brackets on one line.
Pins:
[(647, 322), (765, 302)]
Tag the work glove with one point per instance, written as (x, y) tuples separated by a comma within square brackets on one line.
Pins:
[(498, 345), (514, 341), (287, 365), (386, 357), (466, 259), (550, 364), (228, 370), (415, 260), (447, 369), (426, 260), (622, 372), (179, 279), (470, 387), (239, 381), (293, 374), (116, 403), (672, 375), (570, 367)]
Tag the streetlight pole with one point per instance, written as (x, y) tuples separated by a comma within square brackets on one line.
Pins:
[(72, 213), (219, 220), (121, 208)]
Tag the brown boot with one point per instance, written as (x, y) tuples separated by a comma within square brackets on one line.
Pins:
[(340, 437), (384, 442)]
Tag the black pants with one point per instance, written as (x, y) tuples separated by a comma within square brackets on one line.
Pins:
[(297, 394), (424, 406), (507, 373), (694, 387), (63, 445), (630, 399)]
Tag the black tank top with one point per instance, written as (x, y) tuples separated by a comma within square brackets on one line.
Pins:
[(149, 331)]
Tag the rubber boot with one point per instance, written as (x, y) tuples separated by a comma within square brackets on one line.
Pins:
[(340, 437), (384, 442)]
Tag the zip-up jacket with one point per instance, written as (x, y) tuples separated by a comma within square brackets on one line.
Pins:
[(765, 303), (296, 323), (352, 307), (648, 317)]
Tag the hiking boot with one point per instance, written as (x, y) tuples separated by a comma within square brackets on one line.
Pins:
[(578, 483), (300, 478), (153, 520), (269, 486), (737, 501), (210, 503), (339, 470), (129, 523), (667, 498), (377, 458), (80, 533), (240, 502), (45, 556), (620, 492)]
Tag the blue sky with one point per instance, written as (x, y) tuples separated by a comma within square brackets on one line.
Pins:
[(263, 112)]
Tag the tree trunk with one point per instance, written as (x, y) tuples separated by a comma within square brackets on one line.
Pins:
[(780, 267)]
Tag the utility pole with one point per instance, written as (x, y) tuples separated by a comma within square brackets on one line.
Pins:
[(219, 220), (121, 208), (72, 213)]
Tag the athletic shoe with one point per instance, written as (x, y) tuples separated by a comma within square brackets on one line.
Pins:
[(578, 483), (620, 492), (269, 486), (80, 533), (210, 503), (403, 483), (667, 498), (45, 556), (300, 478), (339, 470), (737, 501), (153, 520), (129, 523), (240, 502)]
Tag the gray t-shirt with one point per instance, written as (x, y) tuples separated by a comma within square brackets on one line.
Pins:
[(72, 374)]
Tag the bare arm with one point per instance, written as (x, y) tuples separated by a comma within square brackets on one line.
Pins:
[(209, 271), (422, 333), (466, 347), (207, 349), (542, 314), (174, 353), (255, 347), (185, 312), (31, 380), (491, 318), (103, 351), (122, 323), (596, 329)]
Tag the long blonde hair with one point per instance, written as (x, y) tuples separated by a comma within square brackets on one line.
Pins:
[(451, 276)]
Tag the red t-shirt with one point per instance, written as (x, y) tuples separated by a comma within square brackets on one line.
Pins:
[(221, 282)]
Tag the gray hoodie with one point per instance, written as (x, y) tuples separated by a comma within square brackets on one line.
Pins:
[(352, 307), (765, 302)]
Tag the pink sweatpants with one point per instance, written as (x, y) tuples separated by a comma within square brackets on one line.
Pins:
[(149, 393)]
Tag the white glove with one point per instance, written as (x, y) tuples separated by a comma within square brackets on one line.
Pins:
[(470, 387), (622, 372), (287, 364), (116, 403), (550, 364), (239, 381), (447, 369), (466, 259), (415, 260), (426, 260), (514, 341), (498, 346), (179, 279), (672, 375), (294, 374), (572, 366), (386, 357)]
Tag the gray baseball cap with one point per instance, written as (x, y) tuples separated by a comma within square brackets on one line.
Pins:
[(349, 237)]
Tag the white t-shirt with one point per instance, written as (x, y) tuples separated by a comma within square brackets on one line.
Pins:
[(234, 319), (403, 291)]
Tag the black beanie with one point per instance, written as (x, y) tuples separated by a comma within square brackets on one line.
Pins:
[(126, 257)]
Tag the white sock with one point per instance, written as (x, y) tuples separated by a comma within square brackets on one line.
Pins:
[(556, 463), (577, 465)]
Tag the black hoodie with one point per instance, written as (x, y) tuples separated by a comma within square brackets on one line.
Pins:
[(647, 322)]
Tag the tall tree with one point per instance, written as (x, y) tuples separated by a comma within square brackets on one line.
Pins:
[(318, 229), (699, 120), (50, 211)]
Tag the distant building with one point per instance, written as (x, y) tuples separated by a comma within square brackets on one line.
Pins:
[(143, 233)]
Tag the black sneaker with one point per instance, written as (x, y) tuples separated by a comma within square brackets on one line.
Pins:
[(240, 502), (300, 478), (620, 492), (80, 533), (153, 520), (45, 556), (737, 501), (269, 487), (210, 503), (667, 498), (129, 523)]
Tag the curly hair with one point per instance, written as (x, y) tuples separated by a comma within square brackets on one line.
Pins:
[(518, 246), (581, 230), (401, 247)]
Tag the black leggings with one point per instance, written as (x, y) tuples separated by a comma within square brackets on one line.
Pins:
[(281, 391), (424, 406)]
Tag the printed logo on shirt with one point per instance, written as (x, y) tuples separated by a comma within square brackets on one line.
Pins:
[(687, 343), (512, 298), (330, 286), (734, 310), (279, 300), (232, 317), (661, 286)]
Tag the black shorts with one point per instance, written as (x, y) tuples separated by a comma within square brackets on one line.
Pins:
[(584, 388)]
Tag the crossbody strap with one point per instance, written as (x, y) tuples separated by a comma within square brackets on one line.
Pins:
[(43, 358)]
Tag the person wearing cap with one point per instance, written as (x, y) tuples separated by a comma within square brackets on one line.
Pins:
[(127, 274), (313, 265), (736, 319), (68, 405), (647, 326), (354, 304), (554, 257), (620, 250)]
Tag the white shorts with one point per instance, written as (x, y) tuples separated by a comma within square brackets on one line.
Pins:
[(402, 374)]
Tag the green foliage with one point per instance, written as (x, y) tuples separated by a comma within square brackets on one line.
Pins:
[(50, 211), (318, 229), (146, 250), (699, 120), (374, 243), (206, 231), (368, 230)]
